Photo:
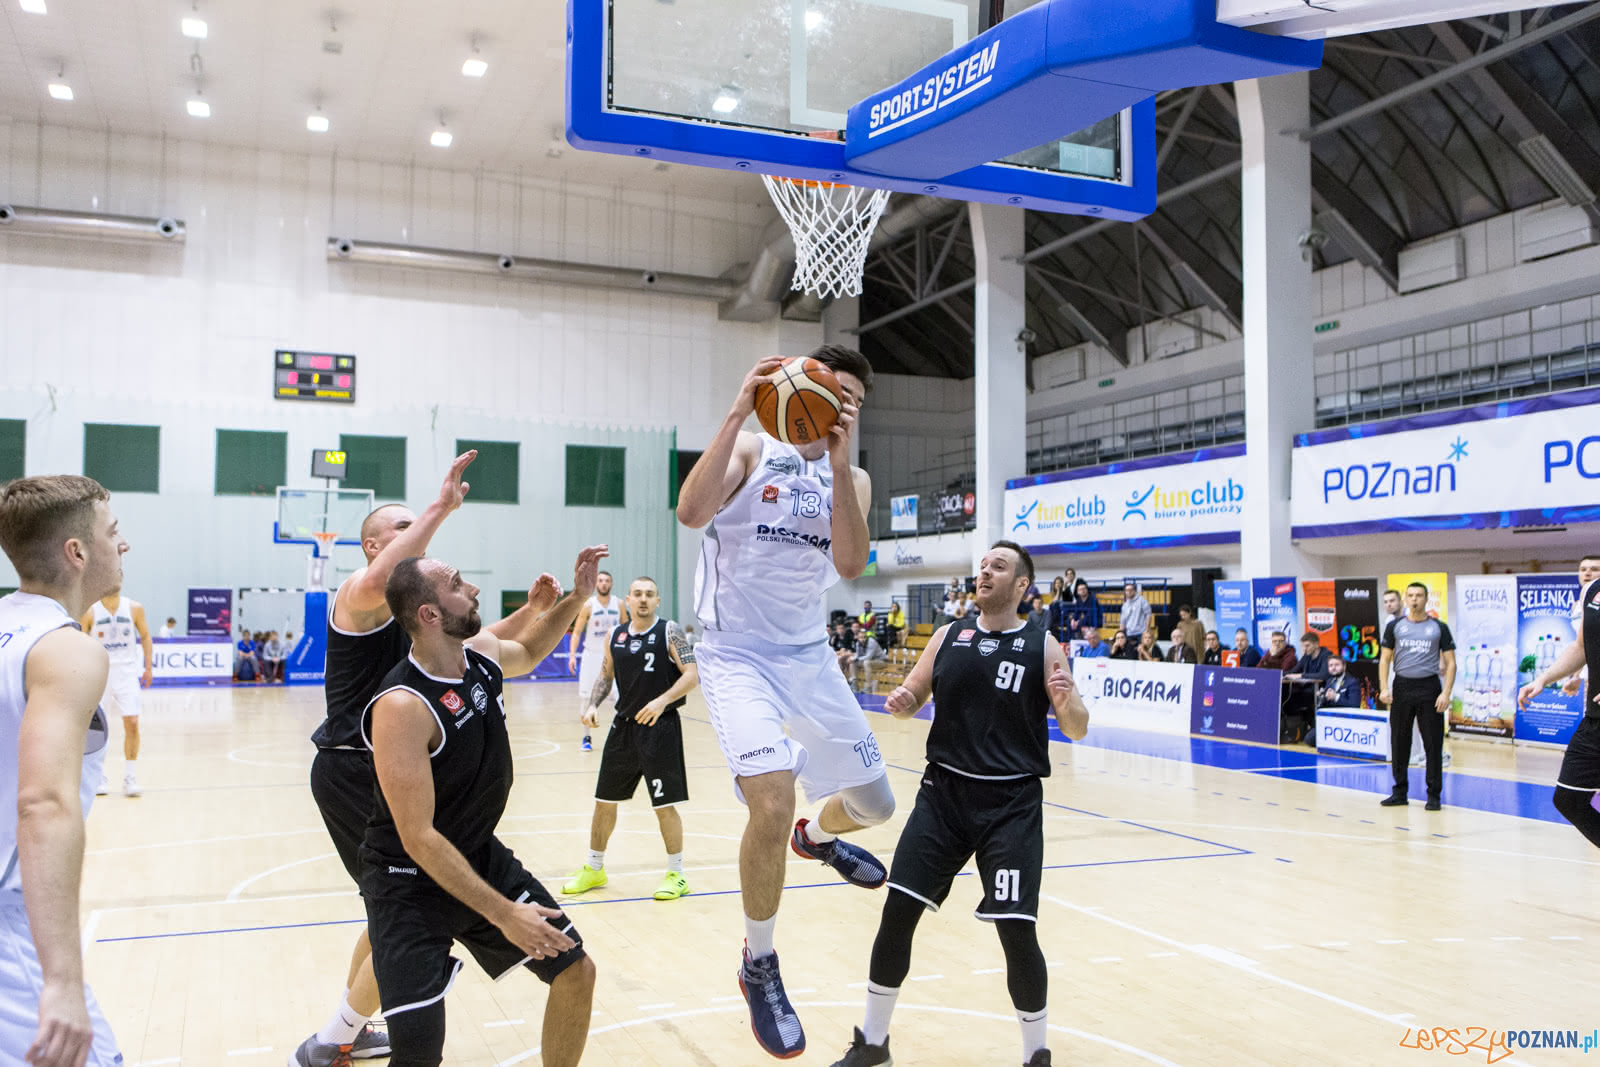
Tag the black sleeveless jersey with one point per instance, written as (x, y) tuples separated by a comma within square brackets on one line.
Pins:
[(643, 668), (356, 664), (471, 766), (1591, 644), (990, 709)]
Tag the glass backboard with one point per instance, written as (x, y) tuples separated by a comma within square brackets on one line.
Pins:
[(303, 512)]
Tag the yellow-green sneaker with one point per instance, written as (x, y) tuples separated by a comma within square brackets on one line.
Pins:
[(586, 879), (673, 885)]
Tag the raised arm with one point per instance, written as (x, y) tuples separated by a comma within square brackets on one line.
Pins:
[(65, 674), (521, 652), (683, 655), (542, 596), (364, 591), (909, 696), (404, 734), (143, 628), (727, 460), (1059, 686)]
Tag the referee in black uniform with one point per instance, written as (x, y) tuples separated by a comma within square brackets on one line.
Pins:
[(432, 870), (994, 682), (1579, 779), (1417, 647)]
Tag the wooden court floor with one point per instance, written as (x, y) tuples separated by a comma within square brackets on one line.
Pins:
[(1191, 915)]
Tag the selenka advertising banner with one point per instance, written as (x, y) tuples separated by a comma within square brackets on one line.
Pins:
[(1485, 630), (1544, 630)]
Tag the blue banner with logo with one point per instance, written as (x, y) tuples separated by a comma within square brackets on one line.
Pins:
[(210, 612), (1233, 610), (1236, 703), (1545, 630), (1275, 606)]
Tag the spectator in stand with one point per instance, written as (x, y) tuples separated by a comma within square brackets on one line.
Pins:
[(868, 654), (1249, 655), (1342, 690), (1039, 615), (1313, 662), (868, 618), (952, 601), (1149, 647), (274, 654), (843, 643), (1069, 578), (969, 607), (1135, 612), (246, 668), (1211, 655), (1279, 657), (1058, 589), (1097, 647), (1180, 652), (1189, 631), (1122, 648), (1058, 621), (897, 623), (1083, 609), (1025, 605), (168, 628)]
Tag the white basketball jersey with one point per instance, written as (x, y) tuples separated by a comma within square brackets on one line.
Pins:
[(767, 557), (116, 631), (604, 615), (24, 619)]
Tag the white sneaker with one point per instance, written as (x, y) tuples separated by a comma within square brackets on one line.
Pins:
[(1418, 758), (130, 786), (1447, 758), (104, 787)]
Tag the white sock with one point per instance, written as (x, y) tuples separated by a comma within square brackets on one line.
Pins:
[(129, 766), (758, 936), (675, 862), (597, 860), (1034, 1031), (343, 1027), (880, 1005), (816, 834)]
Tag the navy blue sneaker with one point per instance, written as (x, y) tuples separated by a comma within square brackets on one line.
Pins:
[(587, 746), (855, 864), (772, 1017)]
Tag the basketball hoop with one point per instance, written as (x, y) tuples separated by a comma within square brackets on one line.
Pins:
[(832, 226), (320, 554)]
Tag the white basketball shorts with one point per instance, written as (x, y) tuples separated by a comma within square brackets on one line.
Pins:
[(786, 708), (20, 983), (589, 661), (123, 695)]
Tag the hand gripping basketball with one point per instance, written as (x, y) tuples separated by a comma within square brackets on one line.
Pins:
[(800, 403)]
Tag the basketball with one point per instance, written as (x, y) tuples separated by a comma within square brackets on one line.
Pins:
[(802, 406)]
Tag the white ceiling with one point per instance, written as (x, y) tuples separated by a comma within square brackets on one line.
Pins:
[(264, 68)]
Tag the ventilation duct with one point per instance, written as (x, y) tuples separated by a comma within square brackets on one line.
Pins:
[(552, 272), (43, 222)]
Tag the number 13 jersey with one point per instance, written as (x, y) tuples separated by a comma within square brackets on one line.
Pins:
[(767, 556), (990, 709)]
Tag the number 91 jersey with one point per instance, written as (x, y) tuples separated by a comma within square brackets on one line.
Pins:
[(991, 710), (767, 556)]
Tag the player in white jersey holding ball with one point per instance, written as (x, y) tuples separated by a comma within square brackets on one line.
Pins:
[(601, 614), (783, 523), (119, 624), (62, 539)]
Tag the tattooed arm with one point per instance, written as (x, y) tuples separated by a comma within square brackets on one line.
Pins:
[(682, 654)]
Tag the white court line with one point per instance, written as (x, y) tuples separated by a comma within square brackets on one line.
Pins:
[(238, 890), (989, 970), (89, 928), (649, 1019), (927, 977), (503, 1022)]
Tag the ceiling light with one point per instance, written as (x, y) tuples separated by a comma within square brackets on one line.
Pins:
[(727, 99), (60, 92), (199, 109), (474, 68), (195, 28), (33, 7), (441, 139), (317, 123), (813, 20)]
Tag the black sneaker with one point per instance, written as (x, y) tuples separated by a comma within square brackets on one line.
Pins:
[(1039, 1059), (852, 862), (1394, 800), (861, 1054), (772, 1018), (1432, 804)]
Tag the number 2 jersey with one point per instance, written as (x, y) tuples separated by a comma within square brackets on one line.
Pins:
[(643, 668), (767, 557), (990, 709)]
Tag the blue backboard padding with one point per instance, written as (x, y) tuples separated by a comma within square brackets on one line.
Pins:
[(1050, 71), (592, 126)]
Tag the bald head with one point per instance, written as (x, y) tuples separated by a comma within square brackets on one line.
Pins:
[(381, 525)]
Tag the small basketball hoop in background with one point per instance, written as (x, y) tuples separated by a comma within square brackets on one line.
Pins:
[(832, 227), (321, 552)]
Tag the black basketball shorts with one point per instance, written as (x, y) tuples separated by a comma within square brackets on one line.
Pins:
[(412, 923), (342, 782), (652, 753), (1580, 767), (957, 818)]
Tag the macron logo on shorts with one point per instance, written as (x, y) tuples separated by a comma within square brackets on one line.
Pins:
[(764, 750)]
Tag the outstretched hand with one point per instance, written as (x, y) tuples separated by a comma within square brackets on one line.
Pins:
[(587, 570), (454, 490), (544, 593)]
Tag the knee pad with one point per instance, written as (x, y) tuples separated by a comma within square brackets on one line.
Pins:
[(869, 804)]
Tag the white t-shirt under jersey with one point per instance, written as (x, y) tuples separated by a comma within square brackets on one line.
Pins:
[(767, 557), (604, 615), (115, 630), (24, 619)]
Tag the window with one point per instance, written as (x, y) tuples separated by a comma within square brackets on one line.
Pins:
[(595, 476), (680, 463), (13, 442), (251, 462), (124, 459), (376, 463), (493, 475)]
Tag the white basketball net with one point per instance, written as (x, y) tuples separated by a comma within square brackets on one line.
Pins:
[(317, 562), (832, 226)]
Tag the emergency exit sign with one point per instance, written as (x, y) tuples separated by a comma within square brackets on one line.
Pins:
[(1326, 327)]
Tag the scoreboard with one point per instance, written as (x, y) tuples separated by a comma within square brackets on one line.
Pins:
[(314, 376)]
